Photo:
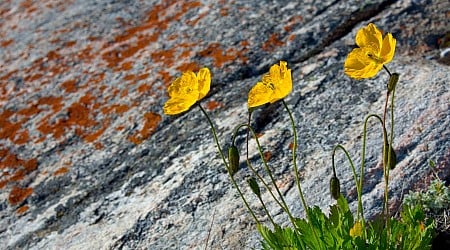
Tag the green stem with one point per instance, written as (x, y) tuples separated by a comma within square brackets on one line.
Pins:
[(387, 70), (297, 177), (267, 212), (388, 164), (363, 154), (294, 158), (392, 82), (360, 211), (385, 169), (226, 164), (283, 203), (355, 176)]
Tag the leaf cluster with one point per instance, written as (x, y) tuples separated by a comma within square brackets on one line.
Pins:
[(435, 199), (411, 231)]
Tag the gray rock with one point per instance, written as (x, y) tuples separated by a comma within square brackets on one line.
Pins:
[(89, 160)]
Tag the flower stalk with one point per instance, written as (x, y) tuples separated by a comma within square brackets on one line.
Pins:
[(216, 140)]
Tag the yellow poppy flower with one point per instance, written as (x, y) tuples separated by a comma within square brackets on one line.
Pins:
[(274, 86), (186, 90), (372, 54), (356, 230)]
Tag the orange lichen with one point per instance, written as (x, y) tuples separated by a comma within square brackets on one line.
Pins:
[(9, 160), (70, 43), (267, 155), (165, 77), (93, 136), (142, 76), (79, 115), (133, 78), (124, 93), (130, 77), (61, 5), (192, 66), (212, 105), (127, 65), (28, 6), (55, 41), (98, 145), (30, 164), (21, 137), (53, 56), (219, 56), (97, 78), (291, 37), (54, 102), (85, 55), (93, 38), (16, 168), (164, 56), (61, 171), (224, 11), (3, 183), (21, 210), (172, 37), (9, 75), (144, 88), (8, 130), (18, 175), (6, 43), (135, 39), (116, 108), (244, 43), (33, 77), (291, 22), (70, 86), (151, 121), (185, 54), (19, 194), (272, 42), (54, 129)]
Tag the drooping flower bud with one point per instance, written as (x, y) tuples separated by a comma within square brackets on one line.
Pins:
[(392, 81), (335, 187), (254, 186), (393, 160), (233, 158)]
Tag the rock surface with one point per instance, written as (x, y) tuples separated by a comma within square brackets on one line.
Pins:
[(89, 161)]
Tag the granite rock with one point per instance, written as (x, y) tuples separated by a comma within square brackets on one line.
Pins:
[(88, 160)]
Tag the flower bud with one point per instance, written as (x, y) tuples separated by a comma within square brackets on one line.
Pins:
[(393, 81), (233, 158), (393, 160), (254, 186), (335, 188)]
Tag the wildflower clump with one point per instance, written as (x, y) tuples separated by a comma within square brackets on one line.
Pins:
[(340, 229)]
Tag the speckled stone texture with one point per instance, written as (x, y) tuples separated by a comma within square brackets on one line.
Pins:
[(89, 161)]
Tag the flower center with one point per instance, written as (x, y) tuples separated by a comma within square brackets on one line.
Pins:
[(375, 58)]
